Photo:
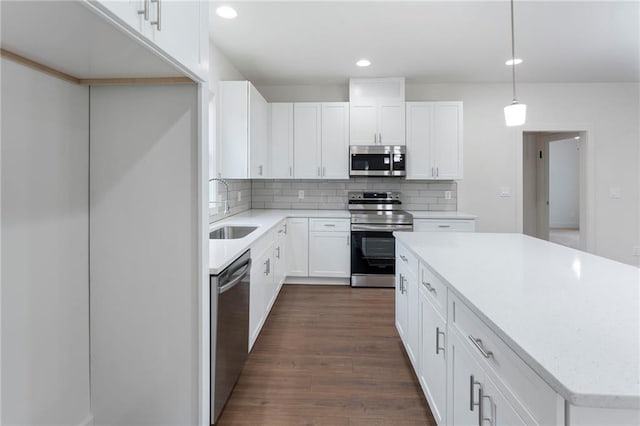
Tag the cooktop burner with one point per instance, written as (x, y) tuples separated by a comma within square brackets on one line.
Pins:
[(377, 208)]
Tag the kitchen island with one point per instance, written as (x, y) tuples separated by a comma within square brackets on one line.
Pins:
[(532, 319)]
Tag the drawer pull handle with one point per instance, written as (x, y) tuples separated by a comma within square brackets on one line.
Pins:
[(438, 333), (430, 287), (444, 226), (478, 344), (404, 259), (330, 225)]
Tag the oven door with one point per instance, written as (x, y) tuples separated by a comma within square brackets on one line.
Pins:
[(373, 259)]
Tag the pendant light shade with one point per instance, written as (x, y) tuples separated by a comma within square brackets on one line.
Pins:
[(515, 114)]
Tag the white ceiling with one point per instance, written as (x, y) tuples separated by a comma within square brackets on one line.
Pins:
[(316, 42)]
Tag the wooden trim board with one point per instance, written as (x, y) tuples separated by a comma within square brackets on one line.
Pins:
[(91, 81)]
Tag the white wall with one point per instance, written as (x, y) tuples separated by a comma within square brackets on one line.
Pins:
[(45, 212), (609, 110), (529, 187), (144, 273), (564, 184)]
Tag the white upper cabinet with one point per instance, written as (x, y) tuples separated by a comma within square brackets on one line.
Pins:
[(377, 111), (242, 127), (258, 141), (174, 27), (321, 140), (335, 140), (363, 123), (307, 133), (434, 140), (281, 140)]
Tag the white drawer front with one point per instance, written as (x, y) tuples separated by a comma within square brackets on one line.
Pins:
[(436, 225), (329, 225), (520, 382), (406, 258), (434, 288)]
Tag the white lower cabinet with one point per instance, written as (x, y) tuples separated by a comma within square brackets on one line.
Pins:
[(298, 247), (433, 357), (329, 248), (279, 260), (260, 291), (402, 312), (440, 225)]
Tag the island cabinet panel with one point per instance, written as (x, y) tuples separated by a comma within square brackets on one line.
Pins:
[(520, 383), (408, 307), (433, 356)]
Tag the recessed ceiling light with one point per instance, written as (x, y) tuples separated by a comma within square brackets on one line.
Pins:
[(516, 61), (576, 137), (363, 63), (226, 12)]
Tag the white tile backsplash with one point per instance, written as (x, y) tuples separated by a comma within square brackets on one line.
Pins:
[(332, 194)]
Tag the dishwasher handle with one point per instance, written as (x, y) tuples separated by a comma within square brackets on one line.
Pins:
[(235, 281)]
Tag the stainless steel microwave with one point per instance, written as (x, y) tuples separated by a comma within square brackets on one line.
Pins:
[(377, 160)]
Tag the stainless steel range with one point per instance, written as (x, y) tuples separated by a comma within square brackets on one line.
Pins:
[(374, 218)]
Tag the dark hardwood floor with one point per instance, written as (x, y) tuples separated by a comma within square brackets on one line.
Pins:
[(328, 356)]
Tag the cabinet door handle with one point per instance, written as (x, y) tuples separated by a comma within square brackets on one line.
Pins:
[(278, 254), (158, 21), (260, 169), (478, 344), (266, 267), (404, 259), (145, 10), (290, 171), (472, 385), (375, 139), (437, 172), (324, 171), (380, 138), (318, 171), (285, 229), (348, 240), (438, 333), (491, 418)]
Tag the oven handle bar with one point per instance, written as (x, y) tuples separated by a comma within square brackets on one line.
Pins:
[(358, 227)]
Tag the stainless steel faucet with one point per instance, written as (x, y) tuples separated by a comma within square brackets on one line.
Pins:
[(226, 200)]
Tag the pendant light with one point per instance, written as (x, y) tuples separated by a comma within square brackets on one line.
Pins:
[(515, 113)]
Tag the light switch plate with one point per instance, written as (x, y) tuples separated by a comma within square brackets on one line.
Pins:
[(505, 192), (636, 251), (447, 195), (301, 195)]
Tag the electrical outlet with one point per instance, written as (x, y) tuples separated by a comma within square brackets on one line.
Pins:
[(615, 193), (301, 195), (447, 195), (636, 251), (239, 195)]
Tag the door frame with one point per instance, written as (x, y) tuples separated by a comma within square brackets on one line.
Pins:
[(587, 176)]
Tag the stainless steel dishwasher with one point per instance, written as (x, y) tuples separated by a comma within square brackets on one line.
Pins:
[(230, 293)]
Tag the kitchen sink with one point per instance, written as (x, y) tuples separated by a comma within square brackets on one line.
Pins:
[(231, 232)]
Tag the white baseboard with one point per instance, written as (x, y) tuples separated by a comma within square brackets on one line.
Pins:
[(317, 281), (564, 225), (88, 421)]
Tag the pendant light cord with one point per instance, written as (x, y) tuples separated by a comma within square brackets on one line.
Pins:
[(513, 55)]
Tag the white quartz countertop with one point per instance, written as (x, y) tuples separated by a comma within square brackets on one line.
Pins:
[(441, 215), (223, 252), (572, 316)]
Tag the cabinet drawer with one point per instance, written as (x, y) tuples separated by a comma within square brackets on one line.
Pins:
[(435, 225), (407, 259), (518, 381), (434, 288), (329, 225)]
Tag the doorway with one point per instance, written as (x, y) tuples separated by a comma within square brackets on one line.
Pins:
[(553, 184)]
